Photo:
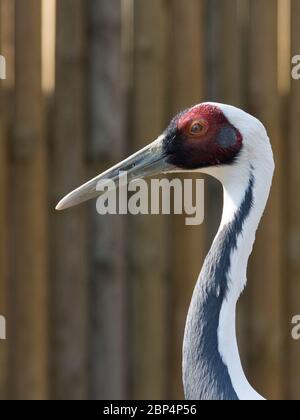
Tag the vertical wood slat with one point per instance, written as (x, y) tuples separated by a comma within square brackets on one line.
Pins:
[(147, 234), (3, 260), (68, 266), (7, 47), (107, 248), (186, 87), (267, 263), (28, 317), (223, 34), (8, 41), (3, 238), (293, 232)]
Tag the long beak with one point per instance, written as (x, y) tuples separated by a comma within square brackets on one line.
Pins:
[(149, 161)]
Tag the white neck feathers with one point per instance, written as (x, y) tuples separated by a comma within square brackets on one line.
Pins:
[(235, 188)]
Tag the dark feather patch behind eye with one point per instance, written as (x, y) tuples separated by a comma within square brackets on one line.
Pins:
[(227, 137)]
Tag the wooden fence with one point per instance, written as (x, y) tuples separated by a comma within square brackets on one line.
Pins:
[(95, 306)]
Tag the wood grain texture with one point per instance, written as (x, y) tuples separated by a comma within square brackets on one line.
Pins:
[(223, 58), (28, 315), (3, 237), (108, 294), (4, 345), (147, 234), (267, 263), (6, 117), (69, 295)]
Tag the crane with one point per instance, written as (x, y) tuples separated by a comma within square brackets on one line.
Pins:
[(233, 147)]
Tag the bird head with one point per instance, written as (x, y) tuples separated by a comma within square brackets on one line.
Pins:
[(201, 137), (209, 138)]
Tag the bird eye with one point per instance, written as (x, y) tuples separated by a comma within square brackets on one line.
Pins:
[(198, 128)]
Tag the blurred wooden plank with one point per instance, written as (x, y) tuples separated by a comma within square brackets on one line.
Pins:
[(224, 58), (293, 176), (3, 238), (186, 245), (69, 329), (8, 41), (28, 318), (147, 235), (266, 278), (106, 71), (27, 136), (108, 328), (3, 261), (6, 116), (48, 45), (8, 50)]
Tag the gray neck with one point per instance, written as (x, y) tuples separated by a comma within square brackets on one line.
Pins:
[(205, 375)]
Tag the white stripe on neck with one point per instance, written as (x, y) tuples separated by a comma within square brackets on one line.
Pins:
[(234, 194)]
